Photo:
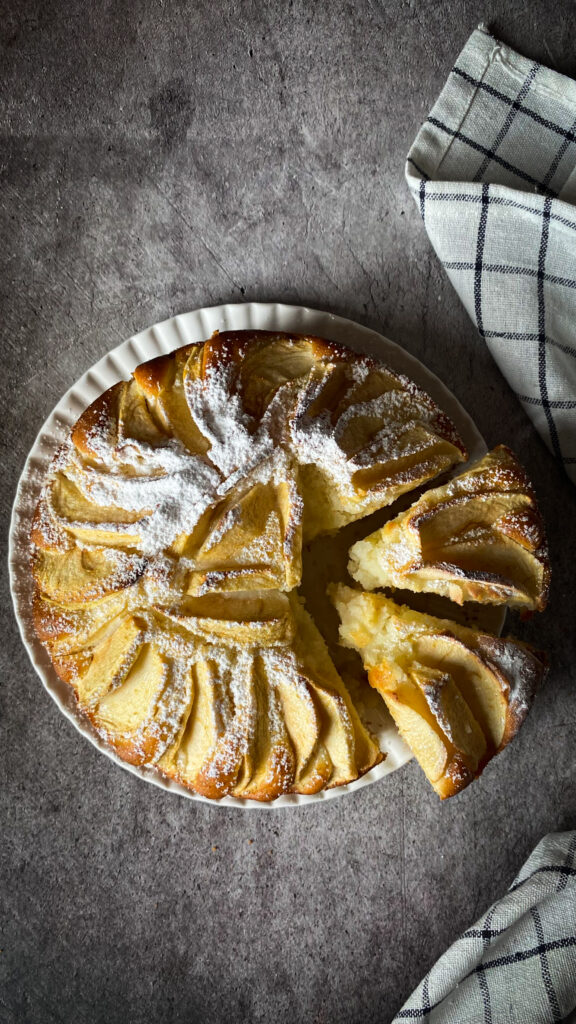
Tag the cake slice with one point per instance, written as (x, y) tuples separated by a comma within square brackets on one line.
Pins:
[(480, 537), (364, 436), (458, 696)]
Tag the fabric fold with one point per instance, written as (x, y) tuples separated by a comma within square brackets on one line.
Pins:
[(493, 171), (517, 963)]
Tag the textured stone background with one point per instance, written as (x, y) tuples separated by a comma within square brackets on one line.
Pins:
[(156, 157)]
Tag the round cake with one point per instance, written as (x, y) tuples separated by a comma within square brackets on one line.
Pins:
[(167, 554)]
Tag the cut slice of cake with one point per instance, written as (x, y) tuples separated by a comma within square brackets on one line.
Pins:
[(457, 695), (364, 436), (479, 537)]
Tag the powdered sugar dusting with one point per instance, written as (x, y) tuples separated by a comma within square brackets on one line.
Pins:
[(520, 668)]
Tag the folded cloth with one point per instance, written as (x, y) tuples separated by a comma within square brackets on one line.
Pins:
[(517, 964), (493, 170)]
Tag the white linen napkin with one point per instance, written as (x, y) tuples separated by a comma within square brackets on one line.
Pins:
[(517, 964), (493, 170)]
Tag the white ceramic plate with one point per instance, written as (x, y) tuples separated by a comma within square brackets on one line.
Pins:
[(119, 364)]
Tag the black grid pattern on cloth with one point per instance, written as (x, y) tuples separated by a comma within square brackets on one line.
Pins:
[(498, 200), (568, 136), (532, 927), (493, 171), (490, 154)]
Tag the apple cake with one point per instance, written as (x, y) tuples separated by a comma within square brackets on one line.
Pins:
[(456, 694), (479, 537), (167, 553)]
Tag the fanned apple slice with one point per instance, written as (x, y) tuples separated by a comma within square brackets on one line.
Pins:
[(72, 505), (252, 541), (203, 724), (303, 723), (480, 537), (474, 677), (143, 715), (162, 381), (269, 764), (256, 618), (269, 365), (85, 574), (347, 742), (64, 627), (436, 723), (110, 662), (209, 755), (48, 533), (91, 523), (136, 419), (452, 712), (458, 696), (95, 433), (117, 417), (421, 731)]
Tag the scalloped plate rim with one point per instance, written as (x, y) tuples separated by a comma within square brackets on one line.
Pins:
[(117, 364)]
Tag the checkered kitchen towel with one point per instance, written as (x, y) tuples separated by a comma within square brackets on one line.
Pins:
[(493, 170), (517, 964)]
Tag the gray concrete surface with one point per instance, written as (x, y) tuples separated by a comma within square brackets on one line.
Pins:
[(156, 157)]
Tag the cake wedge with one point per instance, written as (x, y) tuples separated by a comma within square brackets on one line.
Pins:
[(457, 695), (480, 537)]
